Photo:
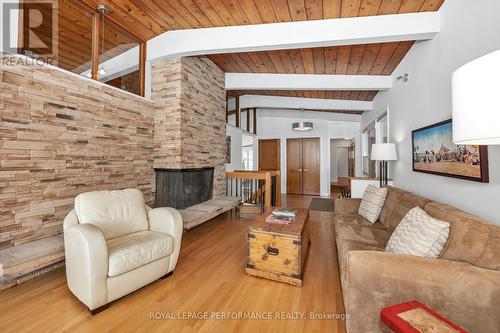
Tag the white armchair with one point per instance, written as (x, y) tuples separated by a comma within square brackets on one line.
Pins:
[(115, 244)]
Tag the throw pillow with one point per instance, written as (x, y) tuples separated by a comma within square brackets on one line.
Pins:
[(419, 234), (372, 203)]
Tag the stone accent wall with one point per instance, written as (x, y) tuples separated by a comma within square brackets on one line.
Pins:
[(166, 79), (190, 116), (61, 135)]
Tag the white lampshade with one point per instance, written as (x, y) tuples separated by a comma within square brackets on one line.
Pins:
[(476, 104), (384, 152)]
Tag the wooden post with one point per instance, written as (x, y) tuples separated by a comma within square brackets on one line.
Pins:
[(227, 107), (142, 67), (254, 121), (248, 120), (95, 46), (268, 187), (278, 188), (237, 99)]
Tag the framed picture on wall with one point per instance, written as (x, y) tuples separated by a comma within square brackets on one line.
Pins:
[(434, 152)]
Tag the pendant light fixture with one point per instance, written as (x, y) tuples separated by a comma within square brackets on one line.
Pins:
[(302, 126), (102, 11)]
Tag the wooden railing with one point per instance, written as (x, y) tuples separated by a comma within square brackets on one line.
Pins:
[(256, 187)]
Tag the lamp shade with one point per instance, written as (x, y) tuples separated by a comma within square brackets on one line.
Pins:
[(384, 152), (476, 106)]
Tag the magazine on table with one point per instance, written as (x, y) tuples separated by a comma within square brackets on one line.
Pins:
[(279, 219), (287, 212)]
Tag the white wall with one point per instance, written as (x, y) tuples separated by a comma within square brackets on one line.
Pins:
[(277, 124), (469, 29)]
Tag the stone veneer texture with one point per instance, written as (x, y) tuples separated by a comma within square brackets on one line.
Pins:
[(62, 135), (190, 116)]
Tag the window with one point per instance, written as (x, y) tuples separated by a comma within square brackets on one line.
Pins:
[(375, 132), (231, 112), (119, 58), (89, 43), (244, 122), (247, 157), (381, 129)]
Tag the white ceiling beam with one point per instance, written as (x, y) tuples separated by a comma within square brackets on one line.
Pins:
[(262, 101), (292, 35), (292, 114), (261, 81)]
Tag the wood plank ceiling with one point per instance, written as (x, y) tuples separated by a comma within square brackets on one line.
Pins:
[(75, 38), (149, 18), (372, 59)]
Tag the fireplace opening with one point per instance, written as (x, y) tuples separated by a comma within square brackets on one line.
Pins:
[(181, 188)]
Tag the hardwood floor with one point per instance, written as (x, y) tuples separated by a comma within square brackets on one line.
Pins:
[(209, 277)]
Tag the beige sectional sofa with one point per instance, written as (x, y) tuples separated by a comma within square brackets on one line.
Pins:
[(463, 284)]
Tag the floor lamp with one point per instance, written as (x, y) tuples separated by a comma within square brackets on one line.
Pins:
[(383, 152)]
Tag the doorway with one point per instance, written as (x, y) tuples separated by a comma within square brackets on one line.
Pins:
[(342, 156), (341, 164), (303, 166), (269, 155)]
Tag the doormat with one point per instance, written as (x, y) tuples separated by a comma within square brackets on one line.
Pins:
[(324, 205)]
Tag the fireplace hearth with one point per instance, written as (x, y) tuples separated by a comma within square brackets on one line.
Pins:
[(181, 188)]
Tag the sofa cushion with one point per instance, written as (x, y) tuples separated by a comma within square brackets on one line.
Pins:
[(491, 255), (343, 247), (471, 239), (399, 205), (363, 234), (419, 234), (138, 249), (347, 205), (115, 213), (372, 203), (394, 194), (355, 219)]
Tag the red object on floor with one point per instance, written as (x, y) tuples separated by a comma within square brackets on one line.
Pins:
[(389, 316)]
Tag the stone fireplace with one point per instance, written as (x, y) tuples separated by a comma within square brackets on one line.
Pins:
[(181, 188), (189, 130)]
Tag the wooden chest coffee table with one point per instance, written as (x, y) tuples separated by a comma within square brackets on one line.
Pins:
[(279, 251)]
